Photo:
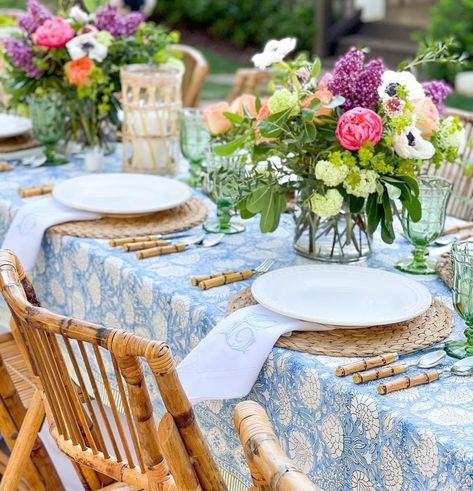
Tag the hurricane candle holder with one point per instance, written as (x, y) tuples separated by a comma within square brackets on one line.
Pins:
[(151, 99), (433, 196)]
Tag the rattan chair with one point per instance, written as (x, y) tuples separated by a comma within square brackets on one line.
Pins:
[(196, 69), (461, 200), (271, 469), (250, 81), (127, 449)]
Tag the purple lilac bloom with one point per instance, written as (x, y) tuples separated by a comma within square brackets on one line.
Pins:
[(107, 18), (35, 16), (356, 81), (437, 90), (22, 57)]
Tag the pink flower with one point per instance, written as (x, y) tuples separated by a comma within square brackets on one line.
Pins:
[(324, 96), (54, 33), (393, 106), (245, 100), (215, 120), (325, 80), (357, 126), (427, 116)]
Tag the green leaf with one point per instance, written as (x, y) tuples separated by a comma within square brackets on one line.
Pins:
[(258, 104), (394, 192), (271, 213), (242, 208), (256, 201), (316, 68), (336, 101), (269, 129), (355, 203), (90, 5), (234, 118), (315, 104), (229, 148), (414, 208)]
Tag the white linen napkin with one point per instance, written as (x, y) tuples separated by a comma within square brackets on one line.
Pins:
[(226, 363), (31, 222)]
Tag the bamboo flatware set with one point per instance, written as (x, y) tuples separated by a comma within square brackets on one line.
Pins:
[(4, 167), (39, 190)]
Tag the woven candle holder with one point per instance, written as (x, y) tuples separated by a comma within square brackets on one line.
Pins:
[(151, 98)]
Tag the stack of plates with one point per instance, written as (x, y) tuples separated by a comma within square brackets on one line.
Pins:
[(16, 139), (341, 296), (122, 195)]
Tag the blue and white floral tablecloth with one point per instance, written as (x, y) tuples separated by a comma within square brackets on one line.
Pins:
[(345, 437)]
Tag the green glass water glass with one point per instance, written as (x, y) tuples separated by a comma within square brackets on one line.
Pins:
[(462, 294), (433, 195), (194, 138), (225, 178), (48, 119)]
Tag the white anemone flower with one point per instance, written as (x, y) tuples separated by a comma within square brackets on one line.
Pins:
[(86, 45), (79, 15), (410, 145), (390, 81), (274, 52)]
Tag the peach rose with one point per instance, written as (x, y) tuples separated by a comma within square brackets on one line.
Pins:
[(427, 116), (215, 120), (53, 33), (263, 113), (245, 100), (325, 96), (78, 71)]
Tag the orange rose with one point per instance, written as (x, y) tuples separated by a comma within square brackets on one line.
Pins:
[(78, 71), (215, 120), (245, 100), (325, 96), (263, 113), (427, 116)]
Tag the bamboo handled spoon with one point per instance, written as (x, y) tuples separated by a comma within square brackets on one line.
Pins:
[(462, 368)]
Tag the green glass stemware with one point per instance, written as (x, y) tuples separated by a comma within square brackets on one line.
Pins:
[(48, 118), (462, 294), (225, 177), (194, 140), (433, 195)]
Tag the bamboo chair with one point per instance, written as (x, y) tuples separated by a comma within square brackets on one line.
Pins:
[(196, 69), (271, 469), (250, 81), (172, 457), (461, 200), (16, 392)]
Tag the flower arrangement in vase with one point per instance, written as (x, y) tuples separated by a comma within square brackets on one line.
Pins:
[(348, 144), (78, 55)]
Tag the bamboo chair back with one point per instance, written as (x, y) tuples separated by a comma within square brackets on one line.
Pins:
[(461, 200), (196, 69), (250, 81), (271, 469), (63, 353)]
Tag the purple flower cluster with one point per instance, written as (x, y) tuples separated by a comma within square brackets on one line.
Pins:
[(356, 81), (107, 18), (438, 91), (35, 16), (22, 57)]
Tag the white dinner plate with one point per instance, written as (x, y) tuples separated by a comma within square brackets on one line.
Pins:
[(348, 296), (121, 194), (11, 125)]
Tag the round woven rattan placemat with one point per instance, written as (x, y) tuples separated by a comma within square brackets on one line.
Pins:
[(404, 337), (445, 268), (17, 143), (193, 212)]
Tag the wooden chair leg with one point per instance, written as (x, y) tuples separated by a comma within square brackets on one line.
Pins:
[(24, 444)]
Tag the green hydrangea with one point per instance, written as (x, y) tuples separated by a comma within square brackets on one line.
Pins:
[(282, 100), (343, 158), (400, 123), (105, 38), (328, 204), (451, 133), (361, 182), (329, 173)]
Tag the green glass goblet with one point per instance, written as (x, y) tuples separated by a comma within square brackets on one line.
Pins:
[(433, 195), (194, 138), (225, 177), (462, 294), (47, 115)]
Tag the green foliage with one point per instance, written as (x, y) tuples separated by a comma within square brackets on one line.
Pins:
[(246, 21), (452, 18)]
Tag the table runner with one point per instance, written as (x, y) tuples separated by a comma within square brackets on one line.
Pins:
[(344, 436)]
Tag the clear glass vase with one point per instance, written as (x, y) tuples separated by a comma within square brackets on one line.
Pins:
[(342, 238)]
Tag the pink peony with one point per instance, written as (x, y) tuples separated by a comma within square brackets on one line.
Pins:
[(427, 116), (216, 121), (357, 126), (54, 33), (245, 100)]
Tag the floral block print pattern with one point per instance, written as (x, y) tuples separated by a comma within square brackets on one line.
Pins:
[(344, 436)]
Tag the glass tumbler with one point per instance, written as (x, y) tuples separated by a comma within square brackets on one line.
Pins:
[(194, 138), (225, 178), (462, 294), (433, 195), (47, 115)]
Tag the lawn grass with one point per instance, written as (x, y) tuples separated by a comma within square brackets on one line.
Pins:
[(460, 101)]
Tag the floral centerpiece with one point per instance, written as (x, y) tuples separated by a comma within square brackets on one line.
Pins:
[(79, 54), (348, 144)]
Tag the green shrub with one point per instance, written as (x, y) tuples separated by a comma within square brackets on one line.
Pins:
[(245, 22), (452, 18)]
